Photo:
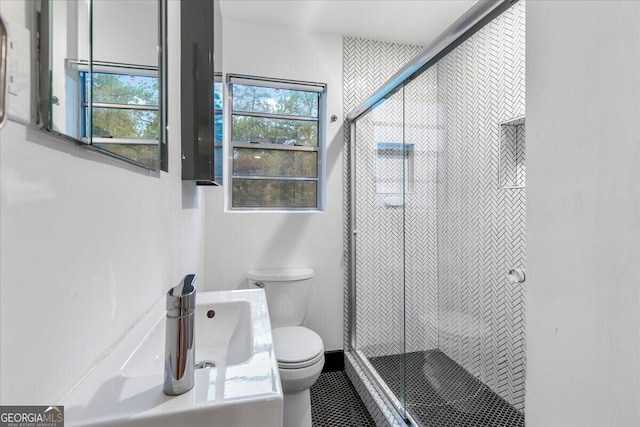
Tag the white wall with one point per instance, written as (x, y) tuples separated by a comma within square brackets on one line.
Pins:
[(125, 31), (238, 242), (87, 245), (583, 213)]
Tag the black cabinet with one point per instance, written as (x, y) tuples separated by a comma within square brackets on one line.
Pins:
[(200, 32)]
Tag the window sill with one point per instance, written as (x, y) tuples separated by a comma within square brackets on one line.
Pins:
[(273, 211)]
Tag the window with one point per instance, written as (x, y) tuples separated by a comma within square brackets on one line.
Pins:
[(124, 118), (217, 128), (276, 144)]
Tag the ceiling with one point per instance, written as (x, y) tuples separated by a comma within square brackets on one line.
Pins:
[(415, 22)]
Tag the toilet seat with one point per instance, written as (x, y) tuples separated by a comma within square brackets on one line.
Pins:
[(297, 347), (300, 365)]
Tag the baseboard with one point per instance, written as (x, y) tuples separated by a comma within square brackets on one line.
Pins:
[(333, 361)]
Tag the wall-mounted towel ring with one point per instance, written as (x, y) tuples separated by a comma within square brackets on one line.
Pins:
[(516, 275)]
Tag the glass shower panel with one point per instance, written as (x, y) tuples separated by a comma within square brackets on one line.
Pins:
[(422, 134), (378, 192)]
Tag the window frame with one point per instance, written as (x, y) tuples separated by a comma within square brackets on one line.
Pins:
[(230, 146), (219, 178)]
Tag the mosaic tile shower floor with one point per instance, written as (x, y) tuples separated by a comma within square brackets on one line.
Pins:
[(335, 403), (440, 393)]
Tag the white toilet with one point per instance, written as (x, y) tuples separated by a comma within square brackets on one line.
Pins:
[(299, 350)]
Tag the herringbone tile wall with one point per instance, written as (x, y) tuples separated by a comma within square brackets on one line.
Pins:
[(421, 267), (379, 257), (367, 65), (481, 227)]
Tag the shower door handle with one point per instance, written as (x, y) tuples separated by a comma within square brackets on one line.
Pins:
[(516, 275)]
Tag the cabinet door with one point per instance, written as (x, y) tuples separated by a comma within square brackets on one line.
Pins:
[(199, 28)]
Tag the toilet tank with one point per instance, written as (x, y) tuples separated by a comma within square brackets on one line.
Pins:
[(287, 291)]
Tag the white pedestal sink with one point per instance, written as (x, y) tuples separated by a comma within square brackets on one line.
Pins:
[(241, 389)]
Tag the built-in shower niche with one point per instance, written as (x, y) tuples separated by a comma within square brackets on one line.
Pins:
[(394, 171), (511, 172)]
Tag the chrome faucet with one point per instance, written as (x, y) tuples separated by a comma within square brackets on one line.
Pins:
[(179, 355)]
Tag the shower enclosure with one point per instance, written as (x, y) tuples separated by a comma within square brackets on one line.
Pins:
[(437, 220)]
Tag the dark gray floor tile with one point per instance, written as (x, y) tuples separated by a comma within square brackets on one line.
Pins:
[(335, 403)]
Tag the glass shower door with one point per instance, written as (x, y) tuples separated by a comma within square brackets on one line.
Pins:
[(379, 249), (395, 255)]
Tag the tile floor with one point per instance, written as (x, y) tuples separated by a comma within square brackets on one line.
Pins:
[(335, 403)]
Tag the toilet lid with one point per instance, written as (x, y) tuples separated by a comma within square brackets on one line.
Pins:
[(296, 344)]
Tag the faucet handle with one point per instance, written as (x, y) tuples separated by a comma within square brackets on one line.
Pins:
[(181, 299)]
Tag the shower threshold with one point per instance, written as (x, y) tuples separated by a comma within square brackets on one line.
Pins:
[(440, 393)]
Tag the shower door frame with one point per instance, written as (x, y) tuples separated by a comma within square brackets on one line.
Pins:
[(468, 24)]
